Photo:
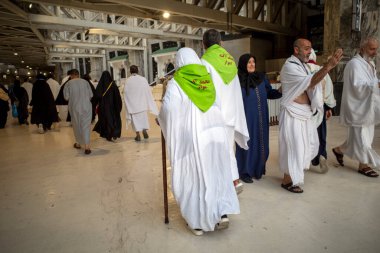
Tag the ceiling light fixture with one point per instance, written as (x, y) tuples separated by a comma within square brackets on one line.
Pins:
[(15, 53), (30, 6), (166, 14)]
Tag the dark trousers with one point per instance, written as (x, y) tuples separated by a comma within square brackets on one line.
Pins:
[(3, 117), (322, 134)]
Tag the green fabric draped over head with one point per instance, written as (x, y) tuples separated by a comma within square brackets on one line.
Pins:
[(222, 61), (197, 84)]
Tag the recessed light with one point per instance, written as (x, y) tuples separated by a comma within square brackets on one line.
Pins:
[(166, 14)]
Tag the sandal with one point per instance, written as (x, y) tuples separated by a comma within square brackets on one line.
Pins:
[(369, 172), (76, 145), (292, 188), (339, 157)]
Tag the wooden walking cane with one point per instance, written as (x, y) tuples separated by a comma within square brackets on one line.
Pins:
[(164, 178)]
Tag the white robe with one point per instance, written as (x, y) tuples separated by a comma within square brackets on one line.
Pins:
[(198, 152), (327, 91), (360, 98), (138, 100), (233, 113), (298, 136), (54, 87), (360, 110), (79, 94), (28, 87)]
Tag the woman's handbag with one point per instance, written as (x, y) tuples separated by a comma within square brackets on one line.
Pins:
[(14, 111)]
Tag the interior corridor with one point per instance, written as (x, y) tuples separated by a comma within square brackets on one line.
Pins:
[(53, 198)]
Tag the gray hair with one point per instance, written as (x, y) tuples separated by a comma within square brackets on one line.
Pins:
[(367, 40)]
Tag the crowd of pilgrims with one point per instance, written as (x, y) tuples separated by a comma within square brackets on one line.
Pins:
[(254, 89), (42, 100)]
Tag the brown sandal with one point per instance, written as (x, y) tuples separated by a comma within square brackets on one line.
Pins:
[(292, 188), (369, 172), (76, 145), (339, 157)]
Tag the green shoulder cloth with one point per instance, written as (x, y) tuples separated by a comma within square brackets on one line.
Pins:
[(197, 84), (222, 61)]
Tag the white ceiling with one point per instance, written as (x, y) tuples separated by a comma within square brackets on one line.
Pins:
[(43, 32)]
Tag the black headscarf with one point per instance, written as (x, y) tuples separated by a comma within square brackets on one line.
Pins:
[(103, 83), (17, 89), (248, 80)]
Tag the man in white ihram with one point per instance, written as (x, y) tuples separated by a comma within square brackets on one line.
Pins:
[(360, 109), (195, 132), (223, 71), (301, 98), (138, 100)]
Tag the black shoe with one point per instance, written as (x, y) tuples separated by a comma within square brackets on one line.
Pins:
[(87, 151), (247, 179), (145, 134), (138, 138), (315, 161)]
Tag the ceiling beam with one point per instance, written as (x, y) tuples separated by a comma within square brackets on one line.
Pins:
[(13, 8), (91, 45), (211, 18), (211, 4), (277, 10), (44, 19), (238, 6), (76, 55), (59, 61), (205, 13), (258, 9)]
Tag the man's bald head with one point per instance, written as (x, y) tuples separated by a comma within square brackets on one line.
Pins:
[(302, 49)]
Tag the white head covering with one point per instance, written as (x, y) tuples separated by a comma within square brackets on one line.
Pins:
[(313, 56), (186, 56)]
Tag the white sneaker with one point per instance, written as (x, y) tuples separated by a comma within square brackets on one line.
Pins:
[(239, 188), (223, 223), (195, 231), (41, 129), (323, 164)]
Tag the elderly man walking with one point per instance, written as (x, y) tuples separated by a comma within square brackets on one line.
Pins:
[(360, 109), (194, 130), (79, 94), (301, 98)]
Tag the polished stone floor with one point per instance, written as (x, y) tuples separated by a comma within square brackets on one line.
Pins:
[(53, 198)]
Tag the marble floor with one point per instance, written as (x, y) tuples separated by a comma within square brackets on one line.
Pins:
[(53, 198)]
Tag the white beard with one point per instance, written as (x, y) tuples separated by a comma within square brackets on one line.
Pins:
[(367, 58)]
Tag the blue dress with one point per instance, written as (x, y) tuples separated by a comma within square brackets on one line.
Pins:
[(252, 162)]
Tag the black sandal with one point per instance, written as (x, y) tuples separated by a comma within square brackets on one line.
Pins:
[(292, 188), (77, 146), (369, 172), (339, 157)]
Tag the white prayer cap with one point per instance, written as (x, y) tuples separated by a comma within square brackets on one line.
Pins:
[(186, 56), (313, 56)]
